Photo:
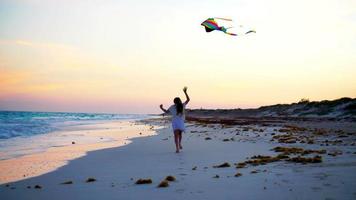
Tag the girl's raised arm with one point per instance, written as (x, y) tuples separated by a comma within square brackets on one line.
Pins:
[(164, 110), (186, 95)]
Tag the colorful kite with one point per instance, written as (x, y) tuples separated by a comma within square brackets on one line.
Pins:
[(211, 25)]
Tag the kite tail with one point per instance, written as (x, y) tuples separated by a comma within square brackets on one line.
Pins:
[(233, 34), (223, 29)]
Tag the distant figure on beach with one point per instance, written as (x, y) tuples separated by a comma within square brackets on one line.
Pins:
[(177, 111)]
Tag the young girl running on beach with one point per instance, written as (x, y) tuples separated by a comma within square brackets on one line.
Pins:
[(177, 111)]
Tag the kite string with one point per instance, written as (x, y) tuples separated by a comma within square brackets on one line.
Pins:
[(223, 18)]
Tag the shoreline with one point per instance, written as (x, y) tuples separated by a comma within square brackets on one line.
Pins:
[(197, 168), (93, 137)]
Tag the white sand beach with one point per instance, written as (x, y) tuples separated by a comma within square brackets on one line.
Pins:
[(115, 170)]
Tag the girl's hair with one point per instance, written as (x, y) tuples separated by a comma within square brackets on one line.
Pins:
[(179, 105)]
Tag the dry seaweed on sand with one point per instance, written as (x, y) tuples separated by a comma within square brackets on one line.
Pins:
[(143, 181), (304, 160), (238, 174), (90, 180), (216, 176), (295, 128), (226, 164), (288, 150), (241, 165), (335, 153), (170, 178), (261, 160), (260, 157), (309, 151), (163, 183), (319, 132), (282, 156), (310, 142), (295, 150), (287, 138), (38, 187)]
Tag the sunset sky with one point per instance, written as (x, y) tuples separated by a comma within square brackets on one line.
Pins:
[(129, 56)]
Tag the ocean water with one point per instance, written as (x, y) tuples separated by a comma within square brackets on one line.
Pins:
[(17, 123), (24, 133)]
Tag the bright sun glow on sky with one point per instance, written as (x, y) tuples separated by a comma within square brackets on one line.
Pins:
[(129, 56)]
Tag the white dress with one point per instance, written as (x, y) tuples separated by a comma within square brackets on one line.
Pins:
[(177, 119)]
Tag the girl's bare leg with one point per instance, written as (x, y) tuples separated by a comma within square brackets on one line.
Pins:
[(180, 140), (176, 140)]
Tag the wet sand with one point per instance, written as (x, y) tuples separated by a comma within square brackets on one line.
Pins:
[(109, 135)]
